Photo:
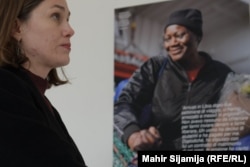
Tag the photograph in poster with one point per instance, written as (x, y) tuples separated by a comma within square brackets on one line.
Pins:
[(180, 77)]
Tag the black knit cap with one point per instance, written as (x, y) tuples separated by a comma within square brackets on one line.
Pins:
[(189, 18)]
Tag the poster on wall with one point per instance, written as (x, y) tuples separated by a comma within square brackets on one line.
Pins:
[(182, 78)]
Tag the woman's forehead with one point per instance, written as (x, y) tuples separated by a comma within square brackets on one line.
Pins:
[(175, 28)]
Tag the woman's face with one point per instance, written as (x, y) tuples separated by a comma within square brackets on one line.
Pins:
[(45, 36), (179, 42)]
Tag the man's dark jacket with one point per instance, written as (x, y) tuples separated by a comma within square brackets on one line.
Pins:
[(168, 93), (31, 135)]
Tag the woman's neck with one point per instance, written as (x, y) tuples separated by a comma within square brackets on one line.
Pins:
[(195, 61), (41, 72)]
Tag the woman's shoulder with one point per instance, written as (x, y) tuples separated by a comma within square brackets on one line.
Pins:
[(216, 64), (12, 80), (221, 67), (10, 74), (158, 59), (155, 62)]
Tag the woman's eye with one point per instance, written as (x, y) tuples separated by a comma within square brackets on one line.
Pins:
[(180, 35), (167, 39), (56, 16)]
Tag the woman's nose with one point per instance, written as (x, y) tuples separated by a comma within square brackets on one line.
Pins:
[(68, 31), (173, 42)]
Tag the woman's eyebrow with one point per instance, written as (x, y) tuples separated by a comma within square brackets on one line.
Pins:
[(59, 7)]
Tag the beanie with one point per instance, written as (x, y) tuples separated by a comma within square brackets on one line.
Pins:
[(189, 18)]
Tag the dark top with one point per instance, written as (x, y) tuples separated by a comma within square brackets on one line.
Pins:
[(42, 85), (167, 94), (32, 131)]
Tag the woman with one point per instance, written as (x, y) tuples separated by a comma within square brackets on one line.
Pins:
[(34, 41), (189, 77)]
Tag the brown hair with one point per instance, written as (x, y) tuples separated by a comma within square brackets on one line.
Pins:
[(10, 10)]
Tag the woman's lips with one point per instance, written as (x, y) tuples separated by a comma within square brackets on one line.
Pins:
[(175, 51), (67, 46)]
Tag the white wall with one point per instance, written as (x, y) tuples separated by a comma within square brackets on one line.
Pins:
[(86, 105)]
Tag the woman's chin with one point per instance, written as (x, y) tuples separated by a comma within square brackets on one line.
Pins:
[(176, 57)]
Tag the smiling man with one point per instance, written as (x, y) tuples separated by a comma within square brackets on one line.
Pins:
[(185, 77)]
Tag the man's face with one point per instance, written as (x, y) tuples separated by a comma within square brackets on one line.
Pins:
[(179, 42)]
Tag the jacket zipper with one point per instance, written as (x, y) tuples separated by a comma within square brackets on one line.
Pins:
[(188, 92)]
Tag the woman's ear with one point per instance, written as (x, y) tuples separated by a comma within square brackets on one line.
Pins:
[(16, 30), (198, 40)]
